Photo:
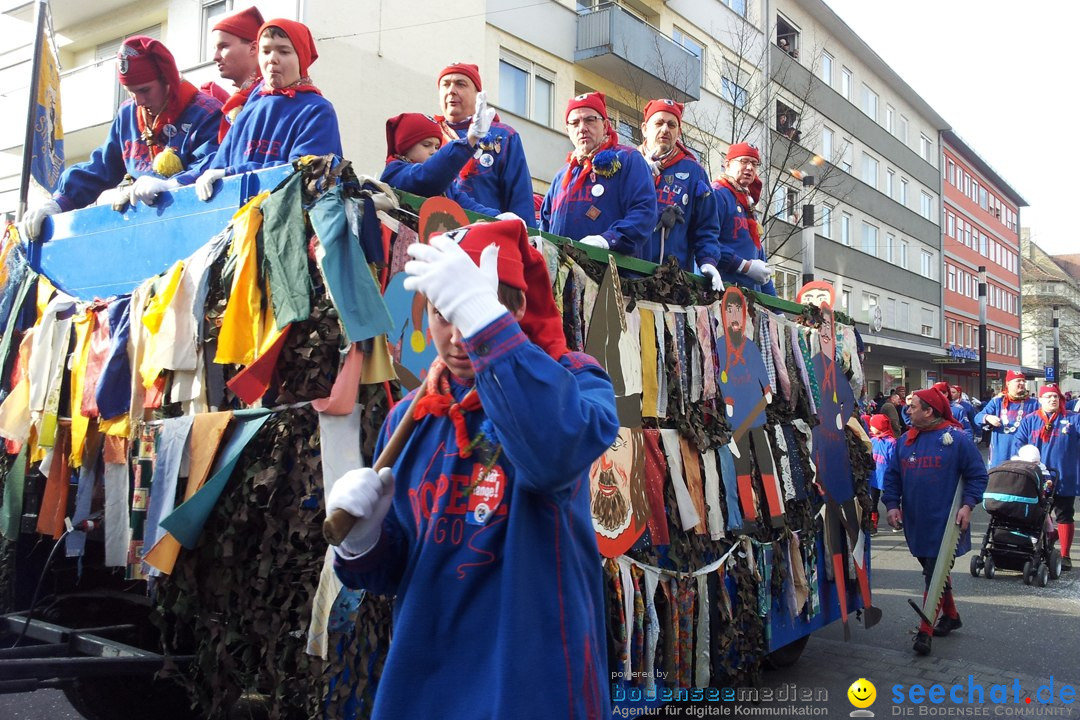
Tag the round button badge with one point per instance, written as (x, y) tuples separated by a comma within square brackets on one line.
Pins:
[(597, 190)]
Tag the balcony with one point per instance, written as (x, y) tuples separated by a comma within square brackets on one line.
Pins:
[(626, 50)]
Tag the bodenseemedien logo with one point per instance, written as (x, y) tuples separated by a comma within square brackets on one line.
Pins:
[(862, 694)]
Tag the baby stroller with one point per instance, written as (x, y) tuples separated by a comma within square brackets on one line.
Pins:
[(1020, 537)]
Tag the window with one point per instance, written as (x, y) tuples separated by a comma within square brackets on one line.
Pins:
[(890, 119), (869, 239), (787, 122), (974, 189), (212, 11), (526, 89), (902, 319), (733, 93), (826, 68), (890, 246), (982, 198), (869, 170), (869, 102), (845, 301), (952, 173), (927, 322), (926, 149), (903, 254), (926, 205), (845, 83), (688, 42), (890, 182), (787, 283), (826, 143), (845, 229), (826, 221), (950, 336), (869, 302), (951, 227), (925, 269), (902, 129), (845, 162), (787, 37), (890, 313), (903, 191), (738, 6), (983, 241)]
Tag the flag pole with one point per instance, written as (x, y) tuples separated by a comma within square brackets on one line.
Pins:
[(31, 110)]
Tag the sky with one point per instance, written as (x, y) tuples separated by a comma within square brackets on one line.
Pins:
[(1002, 75)]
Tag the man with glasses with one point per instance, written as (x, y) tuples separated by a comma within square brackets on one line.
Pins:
[(742, 259), (604, 197), (689, 228)]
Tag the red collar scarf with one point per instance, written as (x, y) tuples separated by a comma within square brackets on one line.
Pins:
[(153, 134), (439, 402), (674, 155), (1047, 430), (586, 163), (304, 84), (746, 202)]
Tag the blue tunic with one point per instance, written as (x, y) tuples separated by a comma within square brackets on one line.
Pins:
[(736, 242), (830, 452), (921, 480), (883, 448), (503, 619), (277, 129), (1003, 443), (743, 382), (962, 415), (696, 238), (125, 152), (501, 178), (435, 176), (621, 208), (1060, 453)]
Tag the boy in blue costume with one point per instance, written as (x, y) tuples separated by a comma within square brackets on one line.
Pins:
[(497, 176), (743, 259), (418, 162), (285, 116), (883, 443), (482, 528), (1056, 432), (1003, 415), (920, 481), (163, 116), (605, 195), (689, 227)]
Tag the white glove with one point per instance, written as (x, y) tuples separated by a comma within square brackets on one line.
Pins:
[(147, 187), (481, 119), (466, 295), (711, 272), (366, 495), (204, 186), (757, 270), (595, 241), (31, 222), (512, 216)]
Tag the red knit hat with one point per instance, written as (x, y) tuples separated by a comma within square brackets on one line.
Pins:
[(936, 400), (882, 424), (594, 100), (742, 149), (405, 130), (143, 59), (244, 25), (1014, 375), (300, 37), (470, 71), (942, 387), (663, 105), (1051, 390), (523, 267)]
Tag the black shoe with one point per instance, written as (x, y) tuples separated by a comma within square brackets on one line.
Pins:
[(946, 625), (922, 644), (1066, 563)]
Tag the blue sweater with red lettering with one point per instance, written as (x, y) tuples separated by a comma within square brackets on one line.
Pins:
[(621, 208), (277, 129), (697, 237), (736, 242), (884, 448), (497, 613), (1061, 452), (435, 176), (500, 178), (921, 480), (194, 138), (1003, 444)]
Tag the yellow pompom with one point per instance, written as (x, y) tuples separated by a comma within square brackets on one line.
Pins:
[(167, 163), (723, 376), (417, 341)]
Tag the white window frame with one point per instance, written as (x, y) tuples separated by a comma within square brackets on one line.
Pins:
[(926, 264), (926, 205), (845, 228), (532, 71), (871, 167), (826, 68), (826, 221), (903, 254), (869, 102), (827, 136), (869, 239), (206, 52), (890, 118), (846, 81)]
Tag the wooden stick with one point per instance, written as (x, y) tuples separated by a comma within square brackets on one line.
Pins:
[(338, 523)]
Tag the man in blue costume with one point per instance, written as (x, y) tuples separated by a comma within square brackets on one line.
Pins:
[(743, 260), (482, 533), (1003, 415)]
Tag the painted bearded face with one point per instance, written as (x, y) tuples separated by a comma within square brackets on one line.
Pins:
[(609, 487)]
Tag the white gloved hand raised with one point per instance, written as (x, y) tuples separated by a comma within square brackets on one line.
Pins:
[(31, 222), (481, 119), (466, 295), (713, 274), (367, 496), (204, 186), (595, 241), (147, 187), (757, 270)]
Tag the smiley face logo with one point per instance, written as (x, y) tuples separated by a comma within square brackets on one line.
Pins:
[(862, 693)]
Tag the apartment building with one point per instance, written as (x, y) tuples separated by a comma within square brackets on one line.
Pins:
[(980, 230), (877, 196), (1051, 283)]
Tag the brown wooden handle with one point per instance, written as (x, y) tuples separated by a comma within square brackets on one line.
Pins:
[(339, 522)]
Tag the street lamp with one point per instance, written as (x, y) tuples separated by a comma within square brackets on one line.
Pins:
[(1057, 345), (982, 331)]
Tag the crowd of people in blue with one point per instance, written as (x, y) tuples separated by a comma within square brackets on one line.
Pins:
[(499, 341)]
